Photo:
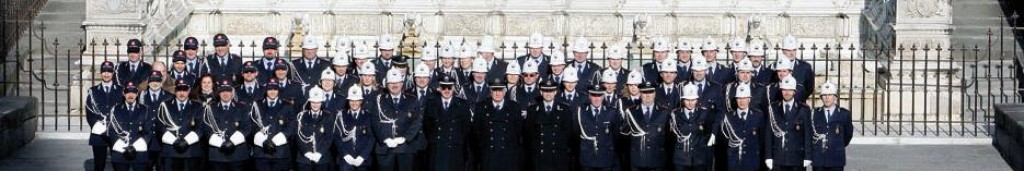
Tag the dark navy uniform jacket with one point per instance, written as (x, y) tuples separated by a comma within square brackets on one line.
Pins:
[(721, 74), (232, 70), (447, 131), (473, 96), (524, 98), (838, 131), (603, 127), (762, 76), (137, 124), (188, 120), (547, 136), (234, 119), (664, 96), (98, 105), (712, 98), (189, 77), (794, 123), (746, 155), (542, 69), (758, 96), (125, 75), (692, 151), (651, 149), (354, 137), (683, 73), (403, 119), (279, 118), (578, 98), (266, 72), (309, 75), (498, 131), (320, 128), (243, 95)]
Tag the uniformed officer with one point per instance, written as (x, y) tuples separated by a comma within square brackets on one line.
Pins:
[(289, 89), (653, 69), (154, 93), (401, 63), (535, 54), (334, 101), (571, 94), (711, 93), (512, 76), (801, 70), (99, 104), (134, 70), (498, 124), (495, 68), (180, 120), (761, 74), (785, 147), (831, 132), (716, 72), (310, 66), (744, 76), (668, 90), (368, 83), (345, 78), (447, 66), (743, 130), (193, 64), (421, 84), (597, 126), (692, 134), (353, 136), (131, 129), (646, 125), (250, 90), (222, 63), (273, 118), (386, 47), (227, 125), (313, 130), (267, 64), (447, 125), (465, 58), (783, 70), (547, 131), (557, 67), (631, 93), (478, 90), (526, 93), (180, 70), (616, 54), (585, 69), (737, 51), (608, 84), (206, 89), (398, 127), (684, 56)]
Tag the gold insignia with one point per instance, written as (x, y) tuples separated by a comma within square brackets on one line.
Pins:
[(837, 130), (798, 127), (701, 127), (364, 131), (236, 124), (280, 121), (321, 129), (193, 122)]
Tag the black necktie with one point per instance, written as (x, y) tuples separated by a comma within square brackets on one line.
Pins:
[(396, 101), (309, 64), (529, 89), (250, 89), (647, 113), (479, 88), (366, 92), (270, 65), (422, 93), (828, 116), (743, 115), (272, 103), (181, 106), (688, 114), (446, 105), (106, 89), (596, 112), (547, 108), (223, 61), (700, 88), (570, 97), (787, 109)]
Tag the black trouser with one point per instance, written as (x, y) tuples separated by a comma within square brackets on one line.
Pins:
[(816, 168), (227, 166), (396, 161), (788, 168), (703, 167), (645, 169), (313, 167), (179, 164), (272, 164), (99, 157), (599, 169), (137, 166)]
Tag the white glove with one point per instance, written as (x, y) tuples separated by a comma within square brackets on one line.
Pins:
[(313, 156), (191, 138), (390, 142), (237, 138), (259, 138), (358, 161), (400, 140), (711, 141), (140, 145), (807, 163), (119, 146), (216, 140), (99, 128), (769, 163), (279, 139), (168, 138), (349, 159)]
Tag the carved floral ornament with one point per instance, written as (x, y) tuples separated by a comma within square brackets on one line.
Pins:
[(925, 8)]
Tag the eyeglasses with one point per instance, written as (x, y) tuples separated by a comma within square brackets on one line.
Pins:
[(445, 87), (529, 75)]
